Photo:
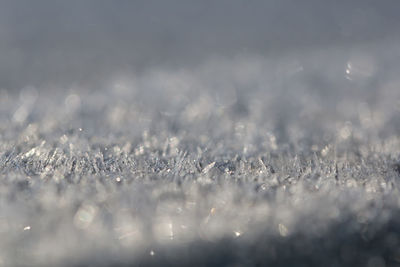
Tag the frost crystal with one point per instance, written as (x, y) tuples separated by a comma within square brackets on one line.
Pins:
[(222, 164)]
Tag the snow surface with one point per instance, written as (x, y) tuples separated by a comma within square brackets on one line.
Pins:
[(235, 162), (199, 133)]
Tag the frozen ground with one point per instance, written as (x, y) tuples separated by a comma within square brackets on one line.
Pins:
[(209, 165), (215, 133)]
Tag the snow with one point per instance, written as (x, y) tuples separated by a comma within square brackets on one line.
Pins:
[(216, 133), (157, 169)]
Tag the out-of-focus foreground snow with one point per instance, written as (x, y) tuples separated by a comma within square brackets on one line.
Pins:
[(238, 161)]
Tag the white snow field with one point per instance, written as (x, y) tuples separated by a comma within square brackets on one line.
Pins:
[(222, 133)]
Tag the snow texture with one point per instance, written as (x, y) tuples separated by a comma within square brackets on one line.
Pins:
[(245, 159), (205, 166)]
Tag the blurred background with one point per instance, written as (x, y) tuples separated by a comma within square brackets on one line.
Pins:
[(223, 66), (59, 44)]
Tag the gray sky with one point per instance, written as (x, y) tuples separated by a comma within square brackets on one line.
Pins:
[(63, 42)]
